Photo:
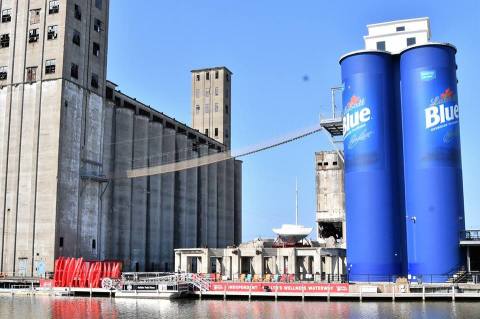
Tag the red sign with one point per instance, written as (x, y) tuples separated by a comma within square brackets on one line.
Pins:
[(279, 287)]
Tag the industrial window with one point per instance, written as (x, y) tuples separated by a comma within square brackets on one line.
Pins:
[(97, 25), (216, 91), (216, 131), (207, 108), (325, 163), (227, 77), (381, 46), (78, 12), (52, 32), (216, 107), (53, 6), (402, 28), (76, 37), (94, 81), (411, 41), (216, 74), (5, 40), (334, 163), (34, 16), (74, 71), (198, 77), (94, 244), (226, 108), (96, 49), (32, 35), (6, 15), (207, 76), (207, 92), (98, 4), (31, 74), (206, 131), (197, 109), (3, 72), (319, 164), (50, 66), (60, 242)]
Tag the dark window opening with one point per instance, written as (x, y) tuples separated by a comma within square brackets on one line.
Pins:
[(50, 66), (334, 163), (52, 32), (33, 35), (319, 164), (76, 37), (3, 72), (98, 4), (227, 77), (94, 244), (330, 229), (411, 41), (31, 74), (5, 40), (60, 243), (216, 131), (226, 108), (96, 49), (94, 81), (325, 163), (381, 46), (74, 71), (207, 76), (6, 15), (53, 6), (198, 77), (226, 133), (206, 131), (216, 74), (402, 28), (34, 16), (97, 25), (109, 93), (78, 12)]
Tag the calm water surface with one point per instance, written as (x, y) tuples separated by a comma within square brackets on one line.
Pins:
[(63, 307)]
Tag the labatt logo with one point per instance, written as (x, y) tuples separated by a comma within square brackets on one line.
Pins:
[(438, 115), (356, 114)]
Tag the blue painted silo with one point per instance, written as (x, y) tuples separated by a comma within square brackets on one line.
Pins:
[(432, 160), (373, 167)]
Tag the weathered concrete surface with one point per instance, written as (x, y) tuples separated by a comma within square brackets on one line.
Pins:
[(229, 202), (139, 195), (212, 240), (167, 213), (191, 198), (122, 193), (155, 141), (238, 202), (202, 199), (180, 215)]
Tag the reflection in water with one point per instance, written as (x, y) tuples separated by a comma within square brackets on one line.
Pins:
[(71, 308)]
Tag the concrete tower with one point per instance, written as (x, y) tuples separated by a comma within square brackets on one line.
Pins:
[(330, 198), (211, 103), (52, 83)]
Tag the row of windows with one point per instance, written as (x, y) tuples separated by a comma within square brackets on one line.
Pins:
[(208, 92), (207, 108), (207, 76), (382, 46), (52, 34), (326, 163), (216, 132), (53, 8), (50, 68)]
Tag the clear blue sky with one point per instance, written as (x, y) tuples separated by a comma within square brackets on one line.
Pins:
[(270, 46)]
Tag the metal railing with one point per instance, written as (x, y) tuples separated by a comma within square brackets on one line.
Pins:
[(473, 234)]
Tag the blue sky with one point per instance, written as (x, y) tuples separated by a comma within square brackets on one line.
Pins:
[(271, 46)]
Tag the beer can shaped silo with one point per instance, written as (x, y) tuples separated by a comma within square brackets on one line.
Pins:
[(432, 161), (376, 249)]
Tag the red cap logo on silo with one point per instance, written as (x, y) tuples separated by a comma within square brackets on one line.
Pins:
[(438, 114)]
